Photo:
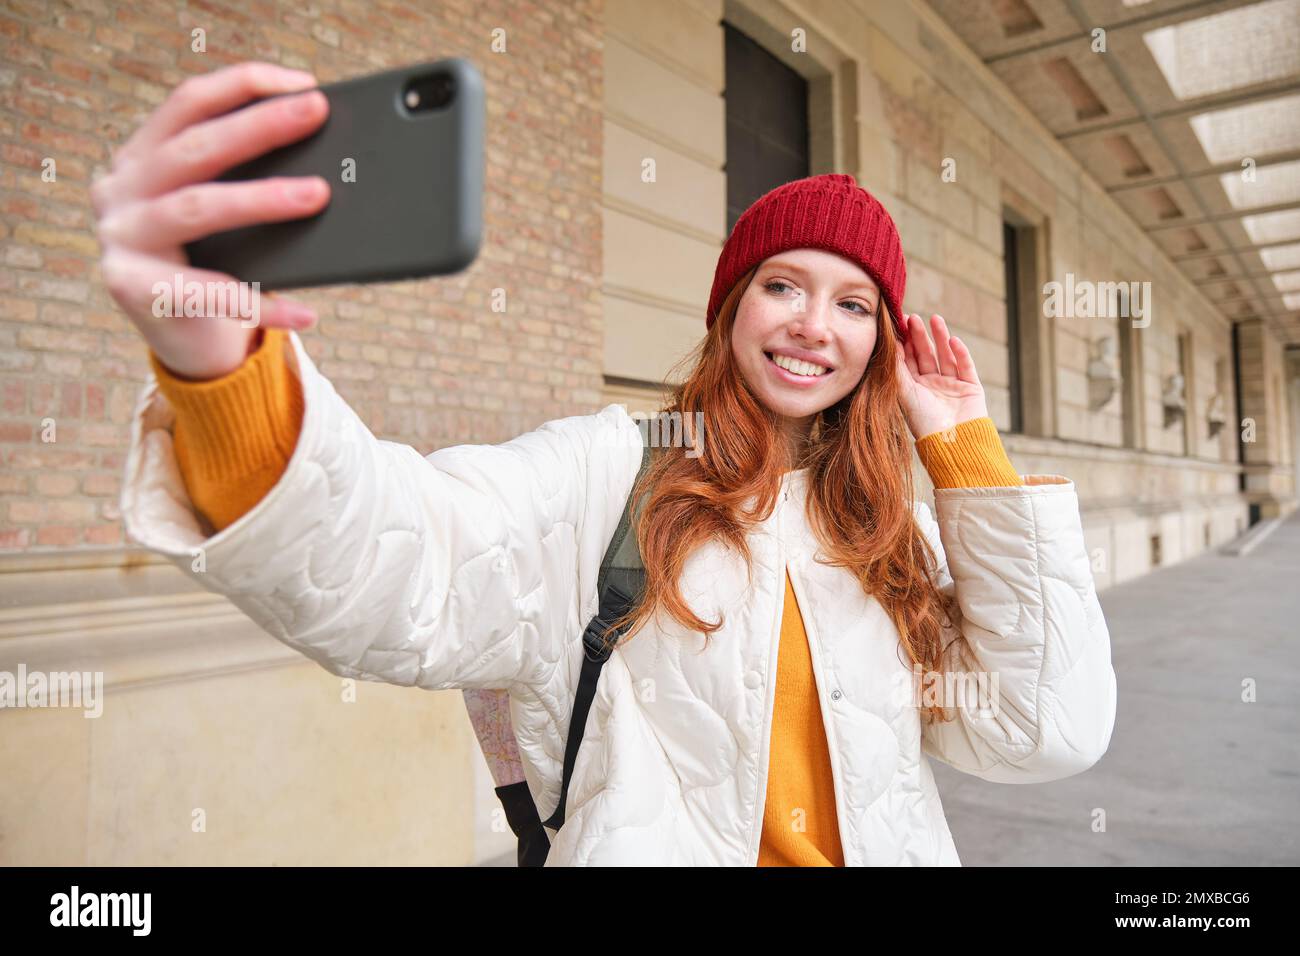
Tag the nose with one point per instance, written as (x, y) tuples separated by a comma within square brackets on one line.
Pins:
[(811, 324)]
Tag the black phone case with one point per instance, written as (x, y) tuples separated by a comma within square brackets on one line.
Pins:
[(414, 209)]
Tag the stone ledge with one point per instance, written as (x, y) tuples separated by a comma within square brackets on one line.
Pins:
[(141, 624), (63, 559), (1098, 454)]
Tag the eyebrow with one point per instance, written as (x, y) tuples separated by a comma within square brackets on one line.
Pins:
[(791, 267)]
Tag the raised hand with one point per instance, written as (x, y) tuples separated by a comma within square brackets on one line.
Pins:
[(940, 388), (159, 195)]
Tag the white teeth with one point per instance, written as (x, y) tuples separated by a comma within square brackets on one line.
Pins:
[(797, 366)]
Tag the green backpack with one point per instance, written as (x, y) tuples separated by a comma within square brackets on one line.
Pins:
[(620, 585)]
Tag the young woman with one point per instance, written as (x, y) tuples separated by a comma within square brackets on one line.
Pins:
[(790, 668)]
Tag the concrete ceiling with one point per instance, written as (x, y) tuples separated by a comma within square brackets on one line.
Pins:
[(1185, 92)]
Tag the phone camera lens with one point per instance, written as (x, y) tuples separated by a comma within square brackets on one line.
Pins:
[(426, 93)]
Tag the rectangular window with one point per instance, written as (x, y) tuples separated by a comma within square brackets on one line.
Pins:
[(1130, 370), (1186, 370), (767, 123), (1011, 255), (1221, 396), (1281, 417), (1031, 384)]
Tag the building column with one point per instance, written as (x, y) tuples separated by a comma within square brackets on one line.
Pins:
[(1267, 423)]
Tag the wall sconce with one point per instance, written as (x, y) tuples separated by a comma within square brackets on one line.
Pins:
[(1173, 400), (1103, 372), (1216, 415)]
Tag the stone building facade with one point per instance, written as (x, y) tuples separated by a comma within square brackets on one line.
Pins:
[(623, 139)]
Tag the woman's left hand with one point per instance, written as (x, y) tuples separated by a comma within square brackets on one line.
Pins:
[(940, 388)]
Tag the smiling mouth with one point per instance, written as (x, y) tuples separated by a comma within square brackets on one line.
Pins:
[(797, 367)]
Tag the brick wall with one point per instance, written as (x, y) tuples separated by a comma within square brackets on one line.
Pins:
[(427, 362)]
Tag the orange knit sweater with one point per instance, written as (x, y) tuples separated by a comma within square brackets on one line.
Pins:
[(234, 436)]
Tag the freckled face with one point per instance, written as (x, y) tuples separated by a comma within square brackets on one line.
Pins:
[(805, 330)]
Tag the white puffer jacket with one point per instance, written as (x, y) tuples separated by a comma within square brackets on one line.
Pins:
[(476, 568)]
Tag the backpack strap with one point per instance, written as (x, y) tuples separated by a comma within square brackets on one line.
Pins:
[(521, 814), (620, 585)]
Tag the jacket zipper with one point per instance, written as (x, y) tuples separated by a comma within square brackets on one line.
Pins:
[(832, 740), (774, 642)]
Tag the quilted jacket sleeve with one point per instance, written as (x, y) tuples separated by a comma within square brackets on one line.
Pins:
[(473, 568), (1030, 623)]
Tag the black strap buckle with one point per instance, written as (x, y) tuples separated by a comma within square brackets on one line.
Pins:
[(598, 639)]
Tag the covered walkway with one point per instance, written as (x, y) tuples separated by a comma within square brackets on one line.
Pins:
[(1194, 775)]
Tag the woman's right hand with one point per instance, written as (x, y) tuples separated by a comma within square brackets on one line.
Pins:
[(159, 195)]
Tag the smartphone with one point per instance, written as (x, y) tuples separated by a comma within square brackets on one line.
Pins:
[(402, 151)]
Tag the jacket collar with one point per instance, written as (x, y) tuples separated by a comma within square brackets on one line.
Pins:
[(797, 477)]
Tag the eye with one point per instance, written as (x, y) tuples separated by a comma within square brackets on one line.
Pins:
[(862, 309)]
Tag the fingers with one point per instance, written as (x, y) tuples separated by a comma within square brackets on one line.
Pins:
[(207, 149), (943, 346), (159, 196), (151, 289), (927, 363), (196, 99), (946, 355), (905, 373), (909, 347), (203, 97), (965, 362), (193, 212), (281, 313)]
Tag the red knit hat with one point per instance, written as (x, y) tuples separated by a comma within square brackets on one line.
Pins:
[(830, 212)]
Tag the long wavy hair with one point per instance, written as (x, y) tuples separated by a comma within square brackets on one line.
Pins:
[(859, 460)]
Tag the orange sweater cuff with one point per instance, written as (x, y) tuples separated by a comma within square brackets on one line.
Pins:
[(235, 434), (970, 455)]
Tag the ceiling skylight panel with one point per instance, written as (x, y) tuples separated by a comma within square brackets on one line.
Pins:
[(1251, 130), (1225, 51), (1267, 185)]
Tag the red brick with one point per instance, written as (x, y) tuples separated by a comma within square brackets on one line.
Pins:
[(105, 533), (61, 536), (102, 483), (16, 431), (70, 511), (57, 485), (12, 483), (14, 396), (26, 511), (94, 400), (14, 539), (89, 71)]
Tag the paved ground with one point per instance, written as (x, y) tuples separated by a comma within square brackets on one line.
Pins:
[(1194, 776)]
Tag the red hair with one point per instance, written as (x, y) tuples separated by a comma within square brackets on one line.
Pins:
[(860, 490)]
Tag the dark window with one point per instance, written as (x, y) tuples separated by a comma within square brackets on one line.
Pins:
[(1011, 258), (1239, 408), (1130, 373), (1185, 370), (767, 123)]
